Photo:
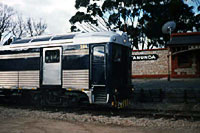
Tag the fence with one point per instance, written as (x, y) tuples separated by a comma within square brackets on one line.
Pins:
[(163, 96)]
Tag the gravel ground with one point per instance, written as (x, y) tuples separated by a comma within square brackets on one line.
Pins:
[(18, 120), (132, 121)]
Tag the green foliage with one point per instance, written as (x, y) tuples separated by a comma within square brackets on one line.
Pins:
[(74, 29), (81, 16), (81, 3), (141, 19)]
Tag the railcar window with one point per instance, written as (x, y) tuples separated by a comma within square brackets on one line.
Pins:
[(98, 53), (21, 41), (117, 53), (41, 39), (52, 56), (63, 37)]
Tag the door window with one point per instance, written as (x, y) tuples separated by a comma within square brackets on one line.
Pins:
[(98, 54), (52, 56)]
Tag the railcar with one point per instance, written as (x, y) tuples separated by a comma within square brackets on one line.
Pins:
[(80, 67)]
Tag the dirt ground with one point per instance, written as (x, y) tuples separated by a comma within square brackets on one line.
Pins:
[(30, 121), (39, 125)]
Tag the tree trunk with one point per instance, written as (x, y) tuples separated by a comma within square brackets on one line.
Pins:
[(0, 36)]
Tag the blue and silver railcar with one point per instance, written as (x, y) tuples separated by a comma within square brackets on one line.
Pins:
[(95, 67)]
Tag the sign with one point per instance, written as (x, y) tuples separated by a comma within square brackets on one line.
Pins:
[(145, 57)]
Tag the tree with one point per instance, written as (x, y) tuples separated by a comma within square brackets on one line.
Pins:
[(141, 19), (197, 3), (93, 20), (39, 27), (35, 28), (12, 24), (160, 13), (18, 27), (27, 27), (6, 13)]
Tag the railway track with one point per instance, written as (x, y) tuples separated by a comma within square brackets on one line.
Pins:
[(96, 110)]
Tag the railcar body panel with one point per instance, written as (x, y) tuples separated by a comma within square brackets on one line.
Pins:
[(75, 67), (19, 69)]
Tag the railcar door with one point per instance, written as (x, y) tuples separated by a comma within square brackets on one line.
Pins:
[(51, 73), (98, 65)]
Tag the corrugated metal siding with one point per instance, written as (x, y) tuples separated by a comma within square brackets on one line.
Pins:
[(9, 79), (29, 79), (76, 79), (20, 79)]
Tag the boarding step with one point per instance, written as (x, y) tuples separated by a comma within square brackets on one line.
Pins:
[(100, 95)]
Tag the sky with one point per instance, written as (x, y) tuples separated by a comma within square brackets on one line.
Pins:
[(56, 13)]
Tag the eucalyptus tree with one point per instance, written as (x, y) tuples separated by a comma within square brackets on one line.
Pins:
[(141, 19)]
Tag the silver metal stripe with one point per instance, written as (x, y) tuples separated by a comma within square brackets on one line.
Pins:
[(76, 87), (85, 71), (107, 98), (17, 56), (75, 84), (39, 44), (76, 52)]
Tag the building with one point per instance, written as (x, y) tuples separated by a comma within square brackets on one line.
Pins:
[(152, 63), (181, 59), (185, 55)]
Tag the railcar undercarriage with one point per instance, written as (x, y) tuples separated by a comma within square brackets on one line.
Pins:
[(45, 97)]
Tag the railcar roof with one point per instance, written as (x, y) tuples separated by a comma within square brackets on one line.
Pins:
[(71, 39)]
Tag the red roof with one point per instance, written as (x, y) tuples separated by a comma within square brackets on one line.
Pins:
[(190, 38), (185, 34)]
